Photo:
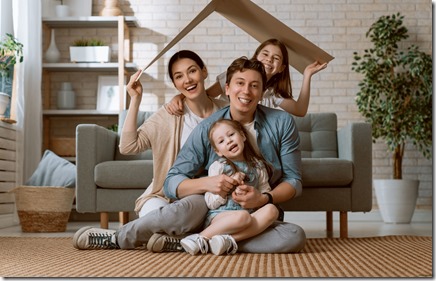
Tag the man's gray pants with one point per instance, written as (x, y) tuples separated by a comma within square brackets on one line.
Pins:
[(187, 216)]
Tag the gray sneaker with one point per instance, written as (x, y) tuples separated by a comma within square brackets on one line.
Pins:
[(89, 237), (195, 243), (159, 242), (220, 244)]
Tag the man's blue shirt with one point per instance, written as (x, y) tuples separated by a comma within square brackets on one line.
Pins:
[(277, 139)]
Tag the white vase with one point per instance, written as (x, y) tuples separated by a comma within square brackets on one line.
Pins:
[(66, 98), (62, 11), (396, 199), (52, 54)]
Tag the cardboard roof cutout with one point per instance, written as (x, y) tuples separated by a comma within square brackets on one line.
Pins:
[(261, 26)]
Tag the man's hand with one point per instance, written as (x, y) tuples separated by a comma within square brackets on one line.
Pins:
[(221, 184), (248, 197)]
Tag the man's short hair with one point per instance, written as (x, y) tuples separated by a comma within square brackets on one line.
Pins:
[(243, 63)]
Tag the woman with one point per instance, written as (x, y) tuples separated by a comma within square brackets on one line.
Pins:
[(163, 133)]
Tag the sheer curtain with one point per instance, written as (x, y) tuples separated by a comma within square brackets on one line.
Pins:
[(28, 30)]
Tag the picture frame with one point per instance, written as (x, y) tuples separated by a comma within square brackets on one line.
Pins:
[(108, 98)]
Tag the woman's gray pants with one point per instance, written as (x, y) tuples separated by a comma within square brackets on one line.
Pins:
[(187, 216)]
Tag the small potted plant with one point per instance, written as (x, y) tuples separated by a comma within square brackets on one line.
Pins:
[(11, 52), (89, 50), (396, 98)]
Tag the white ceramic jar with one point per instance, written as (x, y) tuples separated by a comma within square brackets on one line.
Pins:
[(66, 98)]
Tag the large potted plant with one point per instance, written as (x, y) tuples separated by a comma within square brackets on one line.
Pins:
[(395, 96), (11, 52)]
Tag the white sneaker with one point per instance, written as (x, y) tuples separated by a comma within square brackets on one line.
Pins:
[(220, 244), (195, 243), (89, 237)]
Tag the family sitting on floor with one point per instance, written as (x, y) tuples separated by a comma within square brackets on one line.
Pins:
[(222, 163)]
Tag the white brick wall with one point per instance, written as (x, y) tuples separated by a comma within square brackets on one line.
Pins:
[(337, 26)]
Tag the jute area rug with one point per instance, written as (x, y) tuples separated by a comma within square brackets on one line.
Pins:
[(388, 256)]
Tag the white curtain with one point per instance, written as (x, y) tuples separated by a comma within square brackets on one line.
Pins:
[(28, 30)]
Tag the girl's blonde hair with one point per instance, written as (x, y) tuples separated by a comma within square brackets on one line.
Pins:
[(251, 156)]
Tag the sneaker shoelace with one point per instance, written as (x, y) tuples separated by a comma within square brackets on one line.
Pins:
[(172, 244), (202, 244), (103, 241), (231, 245)]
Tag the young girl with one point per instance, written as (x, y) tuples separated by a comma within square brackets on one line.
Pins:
[(274, 56), (227, 222)]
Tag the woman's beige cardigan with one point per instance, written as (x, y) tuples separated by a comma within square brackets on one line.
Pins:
[(161, 132)]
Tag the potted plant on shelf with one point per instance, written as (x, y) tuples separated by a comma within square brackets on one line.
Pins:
[(396, 98), (89, 50), (11, 52)]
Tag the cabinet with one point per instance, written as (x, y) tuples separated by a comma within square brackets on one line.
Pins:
[(59, 125), (7, 174)]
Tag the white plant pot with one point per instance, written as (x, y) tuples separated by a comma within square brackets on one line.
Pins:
[(4, 102), (90, 54), (396, 199)]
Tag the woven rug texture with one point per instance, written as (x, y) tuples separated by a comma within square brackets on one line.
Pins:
[(387, 256)]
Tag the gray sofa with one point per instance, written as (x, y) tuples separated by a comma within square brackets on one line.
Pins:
[(337, 170)]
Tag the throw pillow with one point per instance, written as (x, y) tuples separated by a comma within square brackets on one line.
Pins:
[(53, 170)]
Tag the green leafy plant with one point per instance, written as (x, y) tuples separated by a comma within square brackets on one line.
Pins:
[(113, 127), (88, 42), (396, 91), (11, 52)]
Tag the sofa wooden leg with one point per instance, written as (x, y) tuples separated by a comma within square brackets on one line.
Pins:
[(343, 222), (124, 218), (104, 220), (329, 223)]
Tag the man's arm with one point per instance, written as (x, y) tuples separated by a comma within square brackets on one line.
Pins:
[(285, 158), (290, 159), (192, 158)]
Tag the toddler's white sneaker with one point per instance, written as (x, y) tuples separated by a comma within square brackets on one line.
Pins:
[(220, 244), (195, 243)]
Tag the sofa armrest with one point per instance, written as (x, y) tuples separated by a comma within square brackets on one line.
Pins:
[(355, 144), (94, 144)]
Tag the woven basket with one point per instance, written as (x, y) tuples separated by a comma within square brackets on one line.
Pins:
[(43, 208)]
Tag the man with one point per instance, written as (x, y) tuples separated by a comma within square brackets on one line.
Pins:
[(271, 131)]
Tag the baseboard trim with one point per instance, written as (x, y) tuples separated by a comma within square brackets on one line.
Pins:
[(8, 220), (420, 215)]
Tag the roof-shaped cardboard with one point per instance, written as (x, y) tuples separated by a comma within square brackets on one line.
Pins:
[(261, 26)]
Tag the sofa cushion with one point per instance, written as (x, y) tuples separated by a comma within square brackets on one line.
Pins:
[(124, 174), (318, 135), (326, 172)]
